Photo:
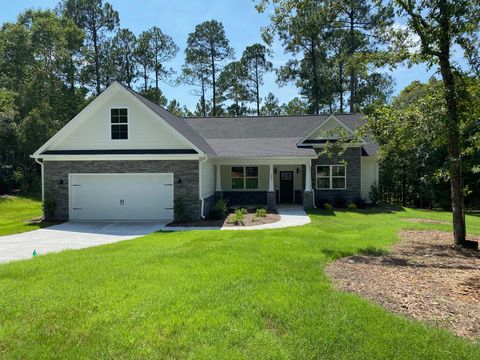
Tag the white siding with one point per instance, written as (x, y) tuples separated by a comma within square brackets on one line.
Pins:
[(208, 178), (327, 130), (146, 129), (369, 176)]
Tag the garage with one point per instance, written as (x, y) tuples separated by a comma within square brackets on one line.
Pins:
[(143, 196)]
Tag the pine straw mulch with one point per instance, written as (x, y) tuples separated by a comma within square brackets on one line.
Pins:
[(427, 221), (424, 277)]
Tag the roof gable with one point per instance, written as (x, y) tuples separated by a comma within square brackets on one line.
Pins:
[(148, 129)]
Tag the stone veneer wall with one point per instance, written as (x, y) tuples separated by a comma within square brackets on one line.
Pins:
[(352, 158), (187, 170)]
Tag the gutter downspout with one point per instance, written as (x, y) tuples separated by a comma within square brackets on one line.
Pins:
[(202, 200), (43, 186), (311, 187)]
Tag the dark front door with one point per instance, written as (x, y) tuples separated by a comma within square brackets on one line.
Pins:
[(286, 186)]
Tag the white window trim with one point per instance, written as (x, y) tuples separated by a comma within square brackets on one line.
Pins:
[(245, 177), (128, 123), (330, 177)]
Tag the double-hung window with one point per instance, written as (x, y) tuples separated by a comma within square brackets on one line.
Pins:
[(244, 177), (331, 177), (119, 123)]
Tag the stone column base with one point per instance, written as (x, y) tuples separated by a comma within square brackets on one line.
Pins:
[(271, 200), (308, 199)]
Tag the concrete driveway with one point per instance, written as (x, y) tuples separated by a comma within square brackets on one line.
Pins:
[(71, 235)]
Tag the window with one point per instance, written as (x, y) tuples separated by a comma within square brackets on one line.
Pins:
[(331, 177), (119, 124), (244, 177)]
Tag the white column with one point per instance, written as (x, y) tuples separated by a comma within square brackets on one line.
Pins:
[(308, 177), (218, 186), (270, 178)]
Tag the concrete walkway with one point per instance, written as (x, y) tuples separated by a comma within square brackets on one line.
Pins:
[(71, 235), (290, 215)]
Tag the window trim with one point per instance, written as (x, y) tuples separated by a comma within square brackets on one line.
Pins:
[(129, 122), (330, 177), (245, 177)]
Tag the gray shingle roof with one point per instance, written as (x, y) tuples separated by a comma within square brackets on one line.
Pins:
[(252, 135)]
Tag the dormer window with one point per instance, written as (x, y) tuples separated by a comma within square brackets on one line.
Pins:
[(119, 123)]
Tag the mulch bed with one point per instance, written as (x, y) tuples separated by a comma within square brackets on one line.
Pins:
[(424, 277), (250, 220)]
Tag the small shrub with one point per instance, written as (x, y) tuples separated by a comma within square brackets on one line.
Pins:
[(261, 212), (238, 217), (361, 204), (244, 211), (351, 206), (219, 210), (49, 207), (327, 206), (339, 202), (375, 195), (179, 210)]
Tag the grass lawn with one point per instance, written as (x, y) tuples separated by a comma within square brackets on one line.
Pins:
[(216, 295), (15, 211)]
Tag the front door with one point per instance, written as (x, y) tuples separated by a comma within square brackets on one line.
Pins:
[(286, 186)]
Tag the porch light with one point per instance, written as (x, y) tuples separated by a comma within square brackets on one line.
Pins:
[(179, 182), (60, 181), (275, 171), (298, 171)]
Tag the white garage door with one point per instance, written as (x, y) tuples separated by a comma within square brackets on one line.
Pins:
[(121, 196)]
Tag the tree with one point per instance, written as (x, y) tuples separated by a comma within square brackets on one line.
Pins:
[(96, 18), (195, 72), (440, 24), (255, 61), (271, 105), (123, 52), (209, 46), (144, 56), (296, 106), (232, 86)]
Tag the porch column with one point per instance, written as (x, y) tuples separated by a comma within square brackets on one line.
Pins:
[(308, 200), (308, 177), (218, 186), (271, 195)]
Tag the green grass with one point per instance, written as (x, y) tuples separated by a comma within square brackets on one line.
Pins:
[(15, 211), (216, 295)]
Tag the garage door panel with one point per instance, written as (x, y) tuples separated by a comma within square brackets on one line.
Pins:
[(121, 196)]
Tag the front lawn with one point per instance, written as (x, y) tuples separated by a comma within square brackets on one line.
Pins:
[(16, 213), (217, 294)]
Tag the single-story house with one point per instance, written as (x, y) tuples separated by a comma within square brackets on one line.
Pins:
[(125, 158)]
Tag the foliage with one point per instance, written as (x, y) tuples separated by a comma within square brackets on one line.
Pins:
[(351, 206), (179, 209), (207, 48), (220, 209), (49, 207), (232, 86), (261, 212), (327, 206), (238, 217), (271, 105)]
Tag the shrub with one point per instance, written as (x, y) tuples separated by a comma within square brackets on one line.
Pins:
[(351, 206), (49, 206), (339, 202), (375, 195), (327, 206), (238, 217), (361, 204), (244, 211), (261, 212), (219, 210), (179, 209)]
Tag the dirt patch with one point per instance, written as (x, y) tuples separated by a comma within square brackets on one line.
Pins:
[(424, 277), (428, 221), (250, 220)]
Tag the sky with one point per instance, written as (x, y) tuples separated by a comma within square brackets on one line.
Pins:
[(178, 18)]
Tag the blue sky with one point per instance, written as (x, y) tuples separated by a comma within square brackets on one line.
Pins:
[(178, 18)]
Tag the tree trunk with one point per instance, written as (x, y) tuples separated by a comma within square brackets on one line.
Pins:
[(214, 90), (97, 60), (352, 69), (454, 147), (145, 78), (202, 100), (340, 79), (315, 79), (257, 87)]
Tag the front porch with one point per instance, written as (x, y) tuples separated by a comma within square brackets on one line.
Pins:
[(262, 182)]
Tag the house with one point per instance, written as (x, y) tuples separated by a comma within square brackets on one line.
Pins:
[(124, 157)]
